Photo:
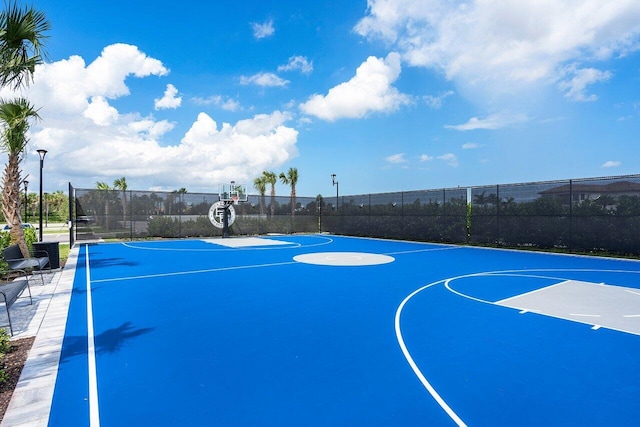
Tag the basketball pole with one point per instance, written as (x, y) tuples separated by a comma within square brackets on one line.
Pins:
[(225, 220)]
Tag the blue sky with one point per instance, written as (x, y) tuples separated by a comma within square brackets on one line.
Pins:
[(388, 95)]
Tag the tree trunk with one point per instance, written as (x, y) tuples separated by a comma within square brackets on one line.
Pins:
[(11, 202)]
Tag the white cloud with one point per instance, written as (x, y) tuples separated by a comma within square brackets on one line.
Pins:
[(264, 80), (89, 140), (425, 158), (223, 102), (370, 90), (435, 102), (470, 145), (450, 159), (297, 63), (497, 46), (106, 75), (611, 164), (65, 87), (263, 30), (396, 158), (576, 86), (169, 100), (100, 112), (492, 122)]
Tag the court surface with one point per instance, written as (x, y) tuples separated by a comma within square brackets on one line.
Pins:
[(323, 330)]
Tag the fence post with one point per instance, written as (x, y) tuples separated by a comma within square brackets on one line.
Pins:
[(570, 214), (498, 214), (130, 216), (72, 215), (444, 215)]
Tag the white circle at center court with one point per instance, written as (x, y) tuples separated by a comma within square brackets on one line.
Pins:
[(344, 258)]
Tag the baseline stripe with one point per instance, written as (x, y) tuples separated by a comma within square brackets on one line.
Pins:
[(94, 409)]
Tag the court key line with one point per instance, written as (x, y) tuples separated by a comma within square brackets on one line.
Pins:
[(94, 408), (398, 329)]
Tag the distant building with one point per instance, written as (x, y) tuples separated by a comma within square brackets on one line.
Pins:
[(578, 193)]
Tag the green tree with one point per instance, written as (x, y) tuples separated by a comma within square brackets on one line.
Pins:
[(104, 197), (291, 179), (21, 49), (121, 184), (22, 36), (271, 179), (261, 185)]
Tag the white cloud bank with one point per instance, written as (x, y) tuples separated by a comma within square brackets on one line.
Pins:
[(90, 140), (370, 90), (495, 46)]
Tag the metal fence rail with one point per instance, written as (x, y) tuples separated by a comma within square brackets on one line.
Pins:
[(595, 214)]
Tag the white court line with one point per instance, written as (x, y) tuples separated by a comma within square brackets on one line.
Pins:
[(290, 245), (94, 409), (416, 370), (182, 273), (530, 292)]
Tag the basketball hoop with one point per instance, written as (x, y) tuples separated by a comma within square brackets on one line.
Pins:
[(235, 199)]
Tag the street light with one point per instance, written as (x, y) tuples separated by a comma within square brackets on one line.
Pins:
[(334, 182), (41, 153), (26, 201)]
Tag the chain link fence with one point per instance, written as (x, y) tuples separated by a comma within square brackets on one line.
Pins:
[(586, 215)]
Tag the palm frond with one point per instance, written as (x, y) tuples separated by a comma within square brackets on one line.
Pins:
[(22, 47)]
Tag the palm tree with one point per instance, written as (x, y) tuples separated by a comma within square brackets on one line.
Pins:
[(101, 185), (14, 124), (21, 49), (260, 185), (121, 184), (21, 44), (291, 178), (271, 178)]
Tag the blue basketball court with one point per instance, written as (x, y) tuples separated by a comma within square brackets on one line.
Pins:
[(327, 330)]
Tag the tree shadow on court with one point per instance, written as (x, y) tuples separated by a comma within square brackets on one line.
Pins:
[(109, 341), (112, 262)]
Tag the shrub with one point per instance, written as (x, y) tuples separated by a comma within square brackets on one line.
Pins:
[(4, 349)]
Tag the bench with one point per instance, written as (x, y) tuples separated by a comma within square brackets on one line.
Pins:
[(11, 291), (17, 262)]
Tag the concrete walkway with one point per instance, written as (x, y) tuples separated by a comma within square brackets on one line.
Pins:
[(46, 320)]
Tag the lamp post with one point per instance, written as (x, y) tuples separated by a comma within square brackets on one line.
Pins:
[(26, 201), (334, 182), (41, 153)]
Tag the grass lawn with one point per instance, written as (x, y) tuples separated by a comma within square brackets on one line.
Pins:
[(64, 252)]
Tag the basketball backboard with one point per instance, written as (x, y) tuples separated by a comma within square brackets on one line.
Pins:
[(233, 192)]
